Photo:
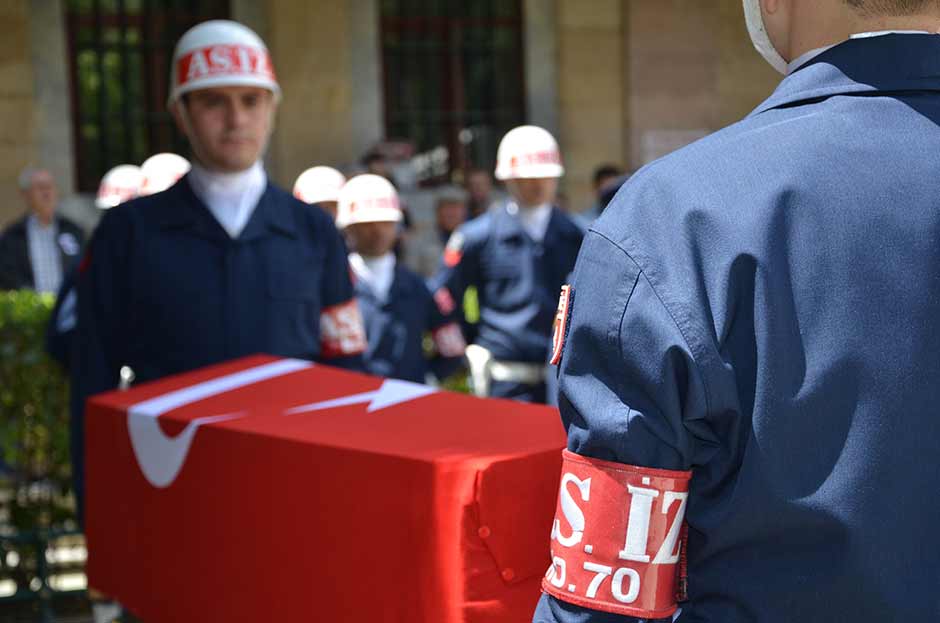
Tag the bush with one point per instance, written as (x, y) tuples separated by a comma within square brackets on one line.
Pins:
[(34, 419)]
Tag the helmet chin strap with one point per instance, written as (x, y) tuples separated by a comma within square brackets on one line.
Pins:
[(760, 38)]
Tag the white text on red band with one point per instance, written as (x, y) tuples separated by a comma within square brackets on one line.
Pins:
[(636, 541), (224, 60)]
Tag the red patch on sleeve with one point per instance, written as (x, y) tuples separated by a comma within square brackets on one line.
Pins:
[(560, 325), (342, 332), (85, 263), (453, 252), (445, 301), (452, 257)]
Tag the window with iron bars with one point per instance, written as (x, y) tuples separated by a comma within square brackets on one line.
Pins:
[(453, 76), (119, 54)]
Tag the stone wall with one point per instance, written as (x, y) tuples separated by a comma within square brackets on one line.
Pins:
[(326, 58), (690, 70), (591, 91), (640, 78), (17, 122), (620, 81)]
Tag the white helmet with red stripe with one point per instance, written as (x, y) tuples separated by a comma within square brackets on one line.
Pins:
[(162, 171), (120, 184), (528, 152), (220, 53), (368, 199), (319, 184)]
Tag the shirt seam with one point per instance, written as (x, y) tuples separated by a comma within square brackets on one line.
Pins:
[(642, 272)]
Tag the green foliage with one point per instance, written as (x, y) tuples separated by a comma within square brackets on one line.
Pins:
[(459, 382), (471, 305), (34, 430)]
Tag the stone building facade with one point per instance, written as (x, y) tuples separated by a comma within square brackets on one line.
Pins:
[(621, 81)]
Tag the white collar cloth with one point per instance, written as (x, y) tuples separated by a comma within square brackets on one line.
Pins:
[(377, 273), (808, 56), (230, 197), (533, 220)]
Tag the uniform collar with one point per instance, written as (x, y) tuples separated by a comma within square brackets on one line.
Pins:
[(806, 57), (184, 210), (377, 274), (888, 63), (508, 225)]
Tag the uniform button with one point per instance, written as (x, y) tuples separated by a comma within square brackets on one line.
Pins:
[(484, 532), (508, 574)]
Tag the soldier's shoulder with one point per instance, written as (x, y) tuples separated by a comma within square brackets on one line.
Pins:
[(475, 231), (311, 217), (142, 210), (708, 176), (568, 225), (411, 280)]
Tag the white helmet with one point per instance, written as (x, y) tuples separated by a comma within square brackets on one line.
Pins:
[(162, 171), (319, 184), (528, 152), (220, 53), (368, 199), (120, 184)]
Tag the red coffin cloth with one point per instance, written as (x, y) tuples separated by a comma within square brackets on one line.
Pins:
[(435, 509)]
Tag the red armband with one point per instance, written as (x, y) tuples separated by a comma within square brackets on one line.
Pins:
[(449, 341), (617, 536), (444, 301), (342, 332)]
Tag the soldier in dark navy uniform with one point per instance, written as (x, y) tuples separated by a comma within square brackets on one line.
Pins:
[(397, 307), (223, 263), (517, 255), (750, 342)]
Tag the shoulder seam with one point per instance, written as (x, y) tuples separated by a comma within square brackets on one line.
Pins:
[(662, 303)]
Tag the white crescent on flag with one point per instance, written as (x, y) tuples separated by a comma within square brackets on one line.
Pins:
[(161, 457)]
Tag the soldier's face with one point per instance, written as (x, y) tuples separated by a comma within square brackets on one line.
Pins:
[(372, 239), (531, 193), (228, 127)]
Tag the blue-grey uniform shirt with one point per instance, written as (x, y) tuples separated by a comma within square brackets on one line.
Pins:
[(397, 326), (517, 279), (763, 308)]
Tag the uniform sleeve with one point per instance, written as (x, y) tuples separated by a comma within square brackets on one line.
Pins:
[(342, 331), (102, 285), (630, 389), (449, 342), (460, 269)]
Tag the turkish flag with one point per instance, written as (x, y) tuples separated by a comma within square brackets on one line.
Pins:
[(270, 489)]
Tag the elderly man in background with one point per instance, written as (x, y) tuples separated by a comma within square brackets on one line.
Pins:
[(37, 250)]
